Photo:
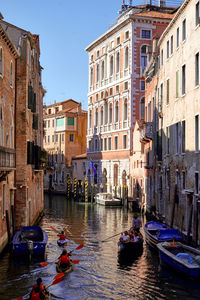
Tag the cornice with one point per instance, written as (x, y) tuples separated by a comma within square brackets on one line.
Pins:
[(8, 42)]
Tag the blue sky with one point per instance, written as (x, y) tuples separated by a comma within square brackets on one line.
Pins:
[(65, 28)]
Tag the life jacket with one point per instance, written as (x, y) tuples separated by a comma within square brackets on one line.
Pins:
[(34, 295), (64, 259), (62, 236)]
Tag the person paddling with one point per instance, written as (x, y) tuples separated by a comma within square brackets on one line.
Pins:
[(38, 291), (64, 260), (62, 236)]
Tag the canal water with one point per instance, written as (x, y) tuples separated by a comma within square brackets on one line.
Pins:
[(99, 274)]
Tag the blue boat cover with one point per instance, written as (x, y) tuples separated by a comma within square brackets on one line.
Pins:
[(169, 234), (154, 225), (185, 256)]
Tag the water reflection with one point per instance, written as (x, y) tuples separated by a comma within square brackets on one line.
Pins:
[(101, 273)]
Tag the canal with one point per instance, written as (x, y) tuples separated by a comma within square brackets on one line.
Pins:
[(99, 274)]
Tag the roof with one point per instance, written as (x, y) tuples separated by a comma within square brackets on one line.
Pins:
[(80, 156), (60, 103), (10, 45), (155, 14)]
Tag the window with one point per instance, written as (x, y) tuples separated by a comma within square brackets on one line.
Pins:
[(167, 100), (3, 200), (142, 85), (177, 85), (118, 40), (126, 58), (197, 13), (91, 76), (142, 109), (126, 85), (56, 138), (101, 144), (97, 97), (96, 117), (117, 88), (183, 137), (125, 110), (146, 34), (197, 133), (49, 111), (172, 44), (184, 30), (52, 138), (167, 49), (111, 65), (90, 119), (105, 144), (90, 145), (98, 53), (97, 73), (45, 139), (63, 137), (116, 112), (110, 113), (197, 69), (102, 115), (70, 121), (102, 70), (48, 123), (183, 79), (176, 138), (125, 141), (162, 57), (11, 74), (109, 143), (71, 137), (96, 145), (52, 123), (48, 139), (60, 122), (196, 183), (143, 56), (177, 37), (1, 61), (126, 35), (116, 142), (117, 62)]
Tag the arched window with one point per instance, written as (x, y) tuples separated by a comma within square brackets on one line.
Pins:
[(91, 76), (117, 63), (115, 174), (102, 115), (126, 58), (102, 70), (111, 65), (117, 111), (97, 75), (90, 119), (142, 108), (1, 61), (11, 73), (143, 56), (96, 117), (110, 113), (125, 109), (106, 113)]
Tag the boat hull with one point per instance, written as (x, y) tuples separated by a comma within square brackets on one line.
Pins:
[(30, 240), (59, 269), (62, 242), (157, 233), (180, 265)]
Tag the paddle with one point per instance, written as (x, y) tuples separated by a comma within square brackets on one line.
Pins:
[(55, 282), (43, 264), (110, 237), (77, 248), (53, 228)]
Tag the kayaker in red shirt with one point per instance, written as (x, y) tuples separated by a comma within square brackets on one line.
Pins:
[(64, 260), (38, 291), (62, 236)]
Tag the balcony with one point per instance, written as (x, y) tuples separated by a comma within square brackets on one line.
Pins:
[(7, 161), (146, 132)]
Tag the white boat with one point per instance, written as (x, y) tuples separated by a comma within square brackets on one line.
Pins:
[(107, 199)]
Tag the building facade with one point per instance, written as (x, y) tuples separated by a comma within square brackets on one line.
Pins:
[(117, 60), (28, 198), (8, 56), (176, 149), (65, 126)]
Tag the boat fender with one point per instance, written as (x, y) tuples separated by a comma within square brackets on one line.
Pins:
[(173, 244)]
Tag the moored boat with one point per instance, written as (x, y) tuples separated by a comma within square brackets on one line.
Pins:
[(62, 242), (30, 240), (180, 257), (67, 270), (156, 232)]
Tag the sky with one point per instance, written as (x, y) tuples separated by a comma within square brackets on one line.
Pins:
[(65, 28)]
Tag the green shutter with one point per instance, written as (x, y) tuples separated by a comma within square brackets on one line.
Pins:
[(70, 121), (28, 152), (34, 103), (30, 96), (35, 121)]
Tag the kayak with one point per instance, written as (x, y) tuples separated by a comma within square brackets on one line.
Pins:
[(27, 297), (62, 242), (67, 270)]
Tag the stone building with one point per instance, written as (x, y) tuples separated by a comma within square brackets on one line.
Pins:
[(8, 56), (117, 60), (28, 198), (65, 127), (177, 109)]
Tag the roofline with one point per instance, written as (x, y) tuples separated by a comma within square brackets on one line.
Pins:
[(180, 10), (11, 46), (118, 26), (59, 103)]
